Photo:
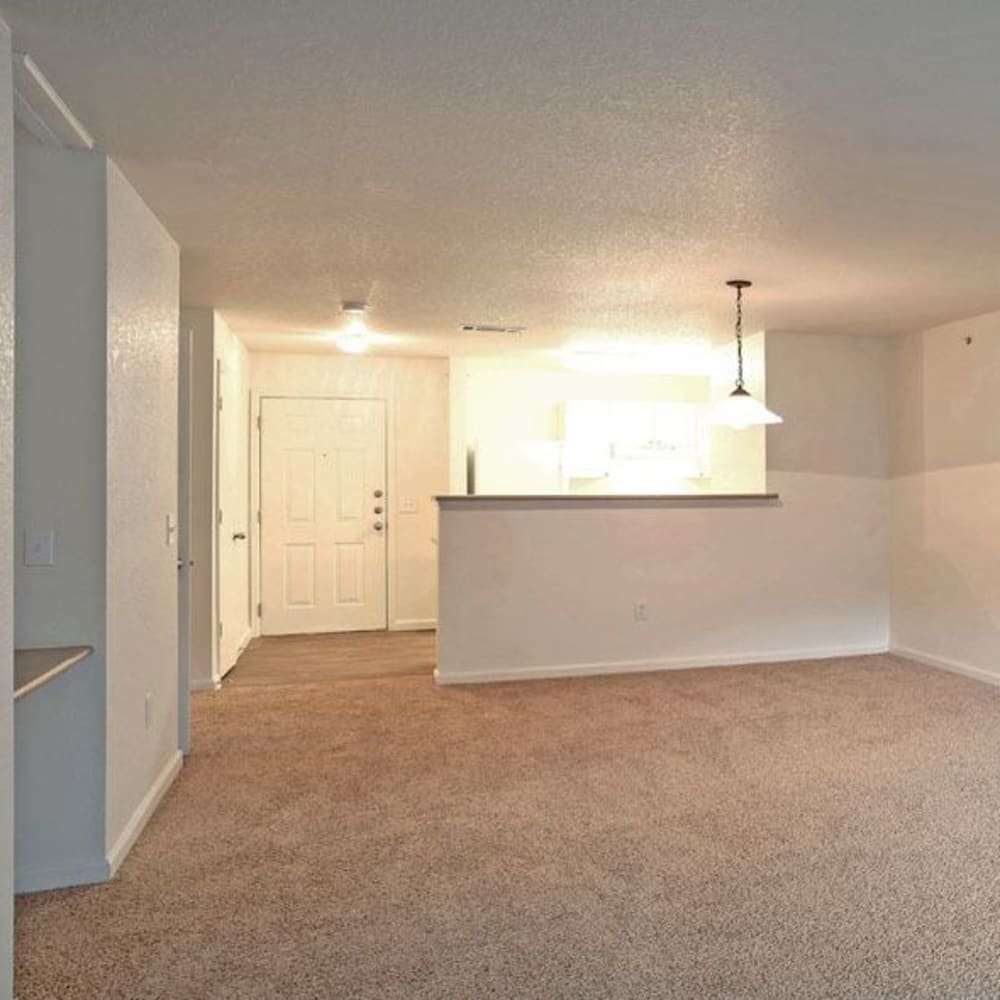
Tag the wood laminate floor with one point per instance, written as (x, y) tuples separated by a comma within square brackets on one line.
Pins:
[(338, 656)]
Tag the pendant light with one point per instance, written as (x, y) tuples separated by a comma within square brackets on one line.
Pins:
[(739, 409)]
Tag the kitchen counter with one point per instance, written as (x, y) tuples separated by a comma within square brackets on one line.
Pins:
[(610, 500)]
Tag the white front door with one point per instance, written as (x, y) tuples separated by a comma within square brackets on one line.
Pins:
[(323, 520)]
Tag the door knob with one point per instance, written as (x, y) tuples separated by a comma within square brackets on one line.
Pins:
[(377, 525)]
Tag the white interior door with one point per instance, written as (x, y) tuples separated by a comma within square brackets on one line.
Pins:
[(233, 517), (323, 520)]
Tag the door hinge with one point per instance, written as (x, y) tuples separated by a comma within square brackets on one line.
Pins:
[(220, 516), (259, 421), (220, 630), (258, 517), (260, 610)]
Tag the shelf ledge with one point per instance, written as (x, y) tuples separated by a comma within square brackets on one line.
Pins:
[(34, 668)]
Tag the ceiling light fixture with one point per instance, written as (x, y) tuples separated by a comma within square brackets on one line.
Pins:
[(355, 337), (739, 409)]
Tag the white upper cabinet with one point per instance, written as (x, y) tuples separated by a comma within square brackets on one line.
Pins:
[(600, 435), (586, 438)]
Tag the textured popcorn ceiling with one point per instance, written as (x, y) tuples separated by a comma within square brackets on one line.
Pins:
[(593, 170)]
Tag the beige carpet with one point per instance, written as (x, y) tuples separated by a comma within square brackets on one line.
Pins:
[(800, 831)]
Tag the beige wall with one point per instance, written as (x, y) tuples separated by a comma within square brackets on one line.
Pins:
[(946, 496), (416, 392), (833, 395), (541, 590)]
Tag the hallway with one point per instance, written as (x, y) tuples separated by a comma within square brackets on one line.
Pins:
[(331, 657)]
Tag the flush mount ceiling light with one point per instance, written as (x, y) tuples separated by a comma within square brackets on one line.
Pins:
[(354, 338), (739, 409)]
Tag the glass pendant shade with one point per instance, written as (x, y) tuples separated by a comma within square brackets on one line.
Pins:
[(740, 410)]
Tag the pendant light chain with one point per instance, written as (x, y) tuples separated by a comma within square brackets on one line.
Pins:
[(739, 337), (739, 409)]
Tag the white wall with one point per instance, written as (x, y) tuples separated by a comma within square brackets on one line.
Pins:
[(143, 289), (6, 515), (946, 496), (416, 391), (60, 476), (535, 591)]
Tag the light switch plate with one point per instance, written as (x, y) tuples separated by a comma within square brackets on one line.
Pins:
[(407, 505), (39, 548)]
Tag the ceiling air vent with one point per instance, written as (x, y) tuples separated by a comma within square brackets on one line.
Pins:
[(490, 328)]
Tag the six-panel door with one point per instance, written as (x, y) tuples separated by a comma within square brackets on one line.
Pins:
[(323, 515)]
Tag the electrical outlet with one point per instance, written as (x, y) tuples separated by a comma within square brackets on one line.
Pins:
[(640, 612), (149, 710)]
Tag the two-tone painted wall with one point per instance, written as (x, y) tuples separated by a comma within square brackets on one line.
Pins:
[(945, 494), (565, 587)]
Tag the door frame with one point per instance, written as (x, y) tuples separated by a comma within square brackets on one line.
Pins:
[(216, 521), (257, 474), (185, 559)]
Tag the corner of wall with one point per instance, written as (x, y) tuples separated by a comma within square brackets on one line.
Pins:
[(945, 478), (6, 516)]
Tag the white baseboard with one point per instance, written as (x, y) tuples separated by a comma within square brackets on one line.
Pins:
[(137, 822), (62, 876), (204, 684), (414, 625), (649, 666), (943, 663)]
